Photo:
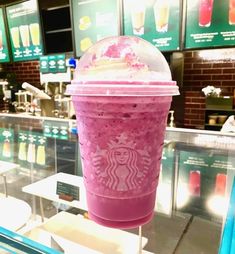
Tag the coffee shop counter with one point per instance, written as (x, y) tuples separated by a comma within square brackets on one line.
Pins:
[(195, 162), (45, 143), (197, 165)]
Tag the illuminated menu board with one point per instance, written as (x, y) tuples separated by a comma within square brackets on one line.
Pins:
[(4, 51), (157, 21), (53, 63), (94, 20), (210, 23), (24, 28)]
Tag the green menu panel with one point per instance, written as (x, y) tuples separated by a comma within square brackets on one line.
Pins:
[(94, 20), (157, 21), (4, 51), (56, 129), (53, 64), (24, 28), (210, 23)]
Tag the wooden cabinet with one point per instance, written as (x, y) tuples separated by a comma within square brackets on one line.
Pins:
[(57, 29), (218, 109)]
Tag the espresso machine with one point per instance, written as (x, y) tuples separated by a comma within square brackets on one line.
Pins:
[(54, 85), (5, 94), (24, 100), (28, 100)]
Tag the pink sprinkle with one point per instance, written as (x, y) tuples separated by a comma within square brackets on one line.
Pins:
[(138, 65), (129, 57), (113, 51), (93, 57)]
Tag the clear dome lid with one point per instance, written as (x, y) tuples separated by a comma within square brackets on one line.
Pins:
[(123, 64)]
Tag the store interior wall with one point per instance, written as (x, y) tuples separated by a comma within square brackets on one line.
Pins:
[(215, 67), (177, 68), (191, 72), (43, 3)]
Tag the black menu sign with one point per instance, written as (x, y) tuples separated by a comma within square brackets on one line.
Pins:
[(4, 52), (67, 191), (25, 33)]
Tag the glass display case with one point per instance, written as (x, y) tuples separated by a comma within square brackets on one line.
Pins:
[(14, 243), (204, 163), (195, 180)]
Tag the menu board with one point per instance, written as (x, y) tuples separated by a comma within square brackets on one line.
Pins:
[(24, 27), (53, 64), (4, 51), (94, 20), (157, 21), (56, 129), (210, 23)]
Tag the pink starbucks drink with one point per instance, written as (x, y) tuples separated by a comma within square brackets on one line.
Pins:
[(122, 92), (205, 12)]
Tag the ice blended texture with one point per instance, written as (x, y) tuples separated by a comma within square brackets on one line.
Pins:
[(122, 93)]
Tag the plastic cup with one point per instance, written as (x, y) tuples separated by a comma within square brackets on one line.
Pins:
[(161, 15), (231, 15), (34, 33), (205, 12), (138, 17), (24, 35), (121, 125), (15, 35)]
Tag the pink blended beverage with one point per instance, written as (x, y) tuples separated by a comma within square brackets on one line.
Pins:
[(122, 92), (205, 12)]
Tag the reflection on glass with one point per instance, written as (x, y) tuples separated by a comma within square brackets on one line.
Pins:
[(6, 151), (15, 36), (161, 15), (232, 12), (194, 182), (205, 12), (34, 33), (164, 193), (22, 151), (183, 196), (41, 156), (220, 184), (31, 153), (218, 205), (24, 35)]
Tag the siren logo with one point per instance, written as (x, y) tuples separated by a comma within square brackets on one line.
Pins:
[(121, 167)]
